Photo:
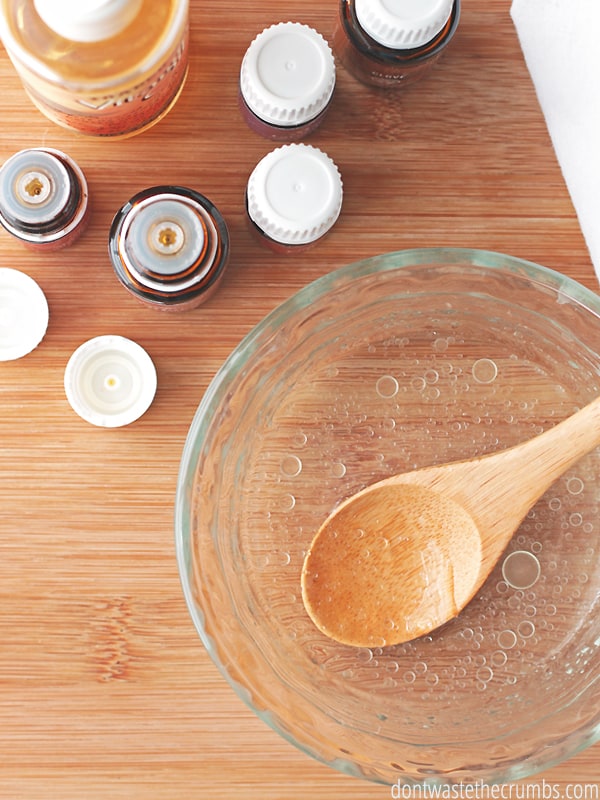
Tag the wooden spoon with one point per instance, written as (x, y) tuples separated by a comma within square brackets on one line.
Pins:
[(405, 555)]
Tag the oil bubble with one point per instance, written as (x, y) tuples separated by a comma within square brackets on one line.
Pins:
[(365, 655), (432, 393), (291, 466), (484, 370), (575, 486), (338, 470), (387, 386), (521, 569), (507, 639), (485, 674), (287, 502), (499, 658), (526, 629), (261, 560), (300, 440)]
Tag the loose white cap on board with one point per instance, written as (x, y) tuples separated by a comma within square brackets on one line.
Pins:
[(24, 314), (110, 381)]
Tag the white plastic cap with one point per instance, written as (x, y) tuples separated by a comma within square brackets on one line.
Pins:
[(110, 381), (295, 194), (403, 24), (87, 20), (24, 314), (288, 74)]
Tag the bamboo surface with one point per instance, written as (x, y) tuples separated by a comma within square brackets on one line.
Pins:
[(105, 688)]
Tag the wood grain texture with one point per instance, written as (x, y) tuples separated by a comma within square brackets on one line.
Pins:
[(105, 689)]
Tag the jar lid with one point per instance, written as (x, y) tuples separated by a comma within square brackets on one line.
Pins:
[(87, 20), (294, 194), (287, 75), (403, 24), (23, 314), (110, 381)]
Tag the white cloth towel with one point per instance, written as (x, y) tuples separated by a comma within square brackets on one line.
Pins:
[(559, 39)]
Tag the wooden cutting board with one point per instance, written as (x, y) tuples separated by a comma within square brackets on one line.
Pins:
[(105, 688)]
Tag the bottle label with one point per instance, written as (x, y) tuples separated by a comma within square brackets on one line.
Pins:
[(124, 112)]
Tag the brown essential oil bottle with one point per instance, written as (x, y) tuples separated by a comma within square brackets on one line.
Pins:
[(293, 197), (100, 67), (169, 247), (43, 198), (391, 43), (287, 80)]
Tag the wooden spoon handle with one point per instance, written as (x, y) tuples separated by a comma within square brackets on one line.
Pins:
[(538, 462)]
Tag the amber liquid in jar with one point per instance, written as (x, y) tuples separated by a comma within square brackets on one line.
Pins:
[(380, 66), (118, 86)]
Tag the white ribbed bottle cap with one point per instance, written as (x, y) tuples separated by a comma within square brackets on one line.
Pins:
[(110, 381), (294, 194), (23, 314), (87, 20), (403, 24), (288, 74)]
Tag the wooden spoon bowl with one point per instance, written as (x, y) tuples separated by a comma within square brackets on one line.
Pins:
[(405, 555)]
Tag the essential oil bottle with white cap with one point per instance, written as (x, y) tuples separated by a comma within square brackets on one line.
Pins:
[(391, 43), (287, 79), (169, 247), (43, 198), (293, 197), (100, 67)]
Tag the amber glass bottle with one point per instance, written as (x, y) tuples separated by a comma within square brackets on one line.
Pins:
[(293, 198), (101, 67), (169, 247), (287, 79), (391, 44), (43, 198)]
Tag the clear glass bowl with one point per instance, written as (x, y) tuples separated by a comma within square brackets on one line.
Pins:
[(401, 361)]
